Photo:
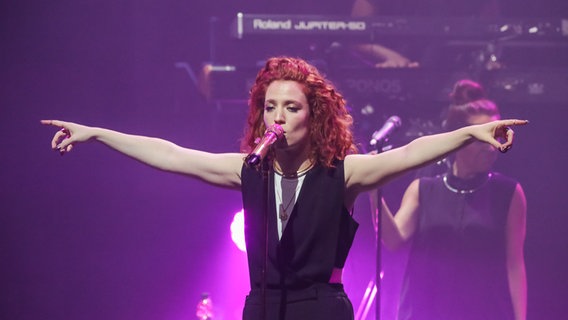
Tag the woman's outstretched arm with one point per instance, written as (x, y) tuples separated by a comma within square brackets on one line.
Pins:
[(365, 172), (218, 169)]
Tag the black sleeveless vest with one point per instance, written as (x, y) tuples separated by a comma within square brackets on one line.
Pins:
[(318, 235), (457, 263)]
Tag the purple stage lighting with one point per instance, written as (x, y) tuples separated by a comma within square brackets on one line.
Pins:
[(238, 230)]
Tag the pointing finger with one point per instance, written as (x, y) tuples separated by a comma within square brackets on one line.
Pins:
[(516, 122)]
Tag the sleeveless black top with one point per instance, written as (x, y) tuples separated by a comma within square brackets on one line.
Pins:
[(457, 263), (317, 238)]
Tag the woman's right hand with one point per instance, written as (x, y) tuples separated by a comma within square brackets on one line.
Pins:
[(69, 134), (393, 59)]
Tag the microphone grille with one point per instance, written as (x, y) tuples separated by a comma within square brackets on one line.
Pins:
[(396, 121), (276, 128)]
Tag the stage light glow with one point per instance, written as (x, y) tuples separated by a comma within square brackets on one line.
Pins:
[(238, 230)]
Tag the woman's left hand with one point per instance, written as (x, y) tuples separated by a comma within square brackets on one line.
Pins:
[(498, 133)]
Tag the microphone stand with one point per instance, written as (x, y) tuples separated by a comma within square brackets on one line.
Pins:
[(255, 158), (265, 168), (378, 281), (373, 293), (380, 138), (379, 255)]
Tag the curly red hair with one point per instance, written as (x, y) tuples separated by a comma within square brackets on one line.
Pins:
[(331, 133)]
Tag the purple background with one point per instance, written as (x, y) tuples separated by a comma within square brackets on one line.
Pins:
[(95, 235)]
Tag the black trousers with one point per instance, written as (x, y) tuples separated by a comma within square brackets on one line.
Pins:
[(325, 301)]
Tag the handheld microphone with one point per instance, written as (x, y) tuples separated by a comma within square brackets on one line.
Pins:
[(383, 133), (271, 135)]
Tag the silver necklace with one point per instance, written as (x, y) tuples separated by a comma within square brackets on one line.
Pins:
[(283, 214), (292, 175), (284, 210), (464, 191)]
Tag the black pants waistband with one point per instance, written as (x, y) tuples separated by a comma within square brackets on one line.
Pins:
[(290, 295)]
